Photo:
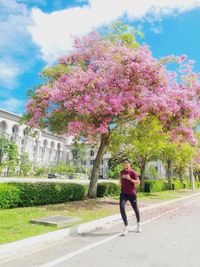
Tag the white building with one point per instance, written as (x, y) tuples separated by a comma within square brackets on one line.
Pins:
[(43, 148)]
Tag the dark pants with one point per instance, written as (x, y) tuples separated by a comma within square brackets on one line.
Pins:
[(133, 200)]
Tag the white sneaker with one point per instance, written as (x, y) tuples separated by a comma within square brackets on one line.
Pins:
[(139, 230), (125, 232)]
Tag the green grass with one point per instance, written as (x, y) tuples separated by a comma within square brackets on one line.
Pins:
[(15, 225), (164, 195)]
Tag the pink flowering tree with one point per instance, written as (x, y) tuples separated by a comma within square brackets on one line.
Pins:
[(104, 83)]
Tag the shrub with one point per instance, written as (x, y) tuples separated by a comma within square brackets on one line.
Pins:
[(40, 171), (187, 184), (177, 185), (79, 191), (33, 194), (155, 186), (64, 168), (107, 189), (9, 196)]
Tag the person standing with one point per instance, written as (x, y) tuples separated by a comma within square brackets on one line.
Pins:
[(128, 180)]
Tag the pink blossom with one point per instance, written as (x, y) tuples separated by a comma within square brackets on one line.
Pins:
[(109, 82)]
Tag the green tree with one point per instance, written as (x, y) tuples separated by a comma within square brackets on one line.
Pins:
[(25, 164), (141, 143), (8, 154), (168, 155), (124, 33), (184, 155), (78, 151)]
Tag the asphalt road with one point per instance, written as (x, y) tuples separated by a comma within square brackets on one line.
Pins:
[(57, 180), (170, 238)]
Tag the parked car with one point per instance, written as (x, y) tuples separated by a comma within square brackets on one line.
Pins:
[(51, 176)]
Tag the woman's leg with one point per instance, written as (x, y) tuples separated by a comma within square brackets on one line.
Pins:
[(133, 201), (122, 204)]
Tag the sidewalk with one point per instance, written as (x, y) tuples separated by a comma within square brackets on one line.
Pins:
[(29, 243)]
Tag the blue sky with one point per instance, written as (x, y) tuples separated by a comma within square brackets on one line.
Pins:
[(34, 33)]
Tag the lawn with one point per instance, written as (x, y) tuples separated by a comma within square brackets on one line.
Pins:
[(15, 225)]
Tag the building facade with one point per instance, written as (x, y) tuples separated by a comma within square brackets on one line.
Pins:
[(44, 148)]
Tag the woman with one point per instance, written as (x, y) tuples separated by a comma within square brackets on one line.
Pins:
[(129, 180)]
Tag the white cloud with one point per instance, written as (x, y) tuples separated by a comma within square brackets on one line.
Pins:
[(16, 47), (14, 18), (12, 104), (52, 32), (8, 74)]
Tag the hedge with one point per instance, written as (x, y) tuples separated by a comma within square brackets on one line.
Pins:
[(188, 184), (150, 186), (9, 196), (155, 186), (33, 194), (177, 185), (108, 189)]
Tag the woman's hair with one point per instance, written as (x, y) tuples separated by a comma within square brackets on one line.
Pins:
[(126, 159)]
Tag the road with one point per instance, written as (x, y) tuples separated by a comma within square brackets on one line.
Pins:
[(170, 238), (57, 180)]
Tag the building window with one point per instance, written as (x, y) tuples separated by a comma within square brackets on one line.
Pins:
[(91, 153), (91, 162)]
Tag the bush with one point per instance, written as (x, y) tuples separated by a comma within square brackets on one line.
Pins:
[(9, 196), (197, 184), (63, 168), (79, 191), (155, 186), (33, 194), (108, 189), (177, 185), (187, 184), (41, 171)]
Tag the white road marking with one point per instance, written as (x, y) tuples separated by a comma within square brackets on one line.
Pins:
[(89, 247)]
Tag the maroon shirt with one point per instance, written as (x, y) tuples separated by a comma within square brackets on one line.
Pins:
[(127, 186)]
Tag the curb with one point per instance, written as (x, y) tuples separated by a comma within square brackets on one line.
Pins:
[(79, 229)]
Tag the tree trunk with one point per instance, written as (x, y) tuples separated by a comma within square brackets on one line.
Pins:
[(92, 192), (142, 175), (181, 175), (169, 174)]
